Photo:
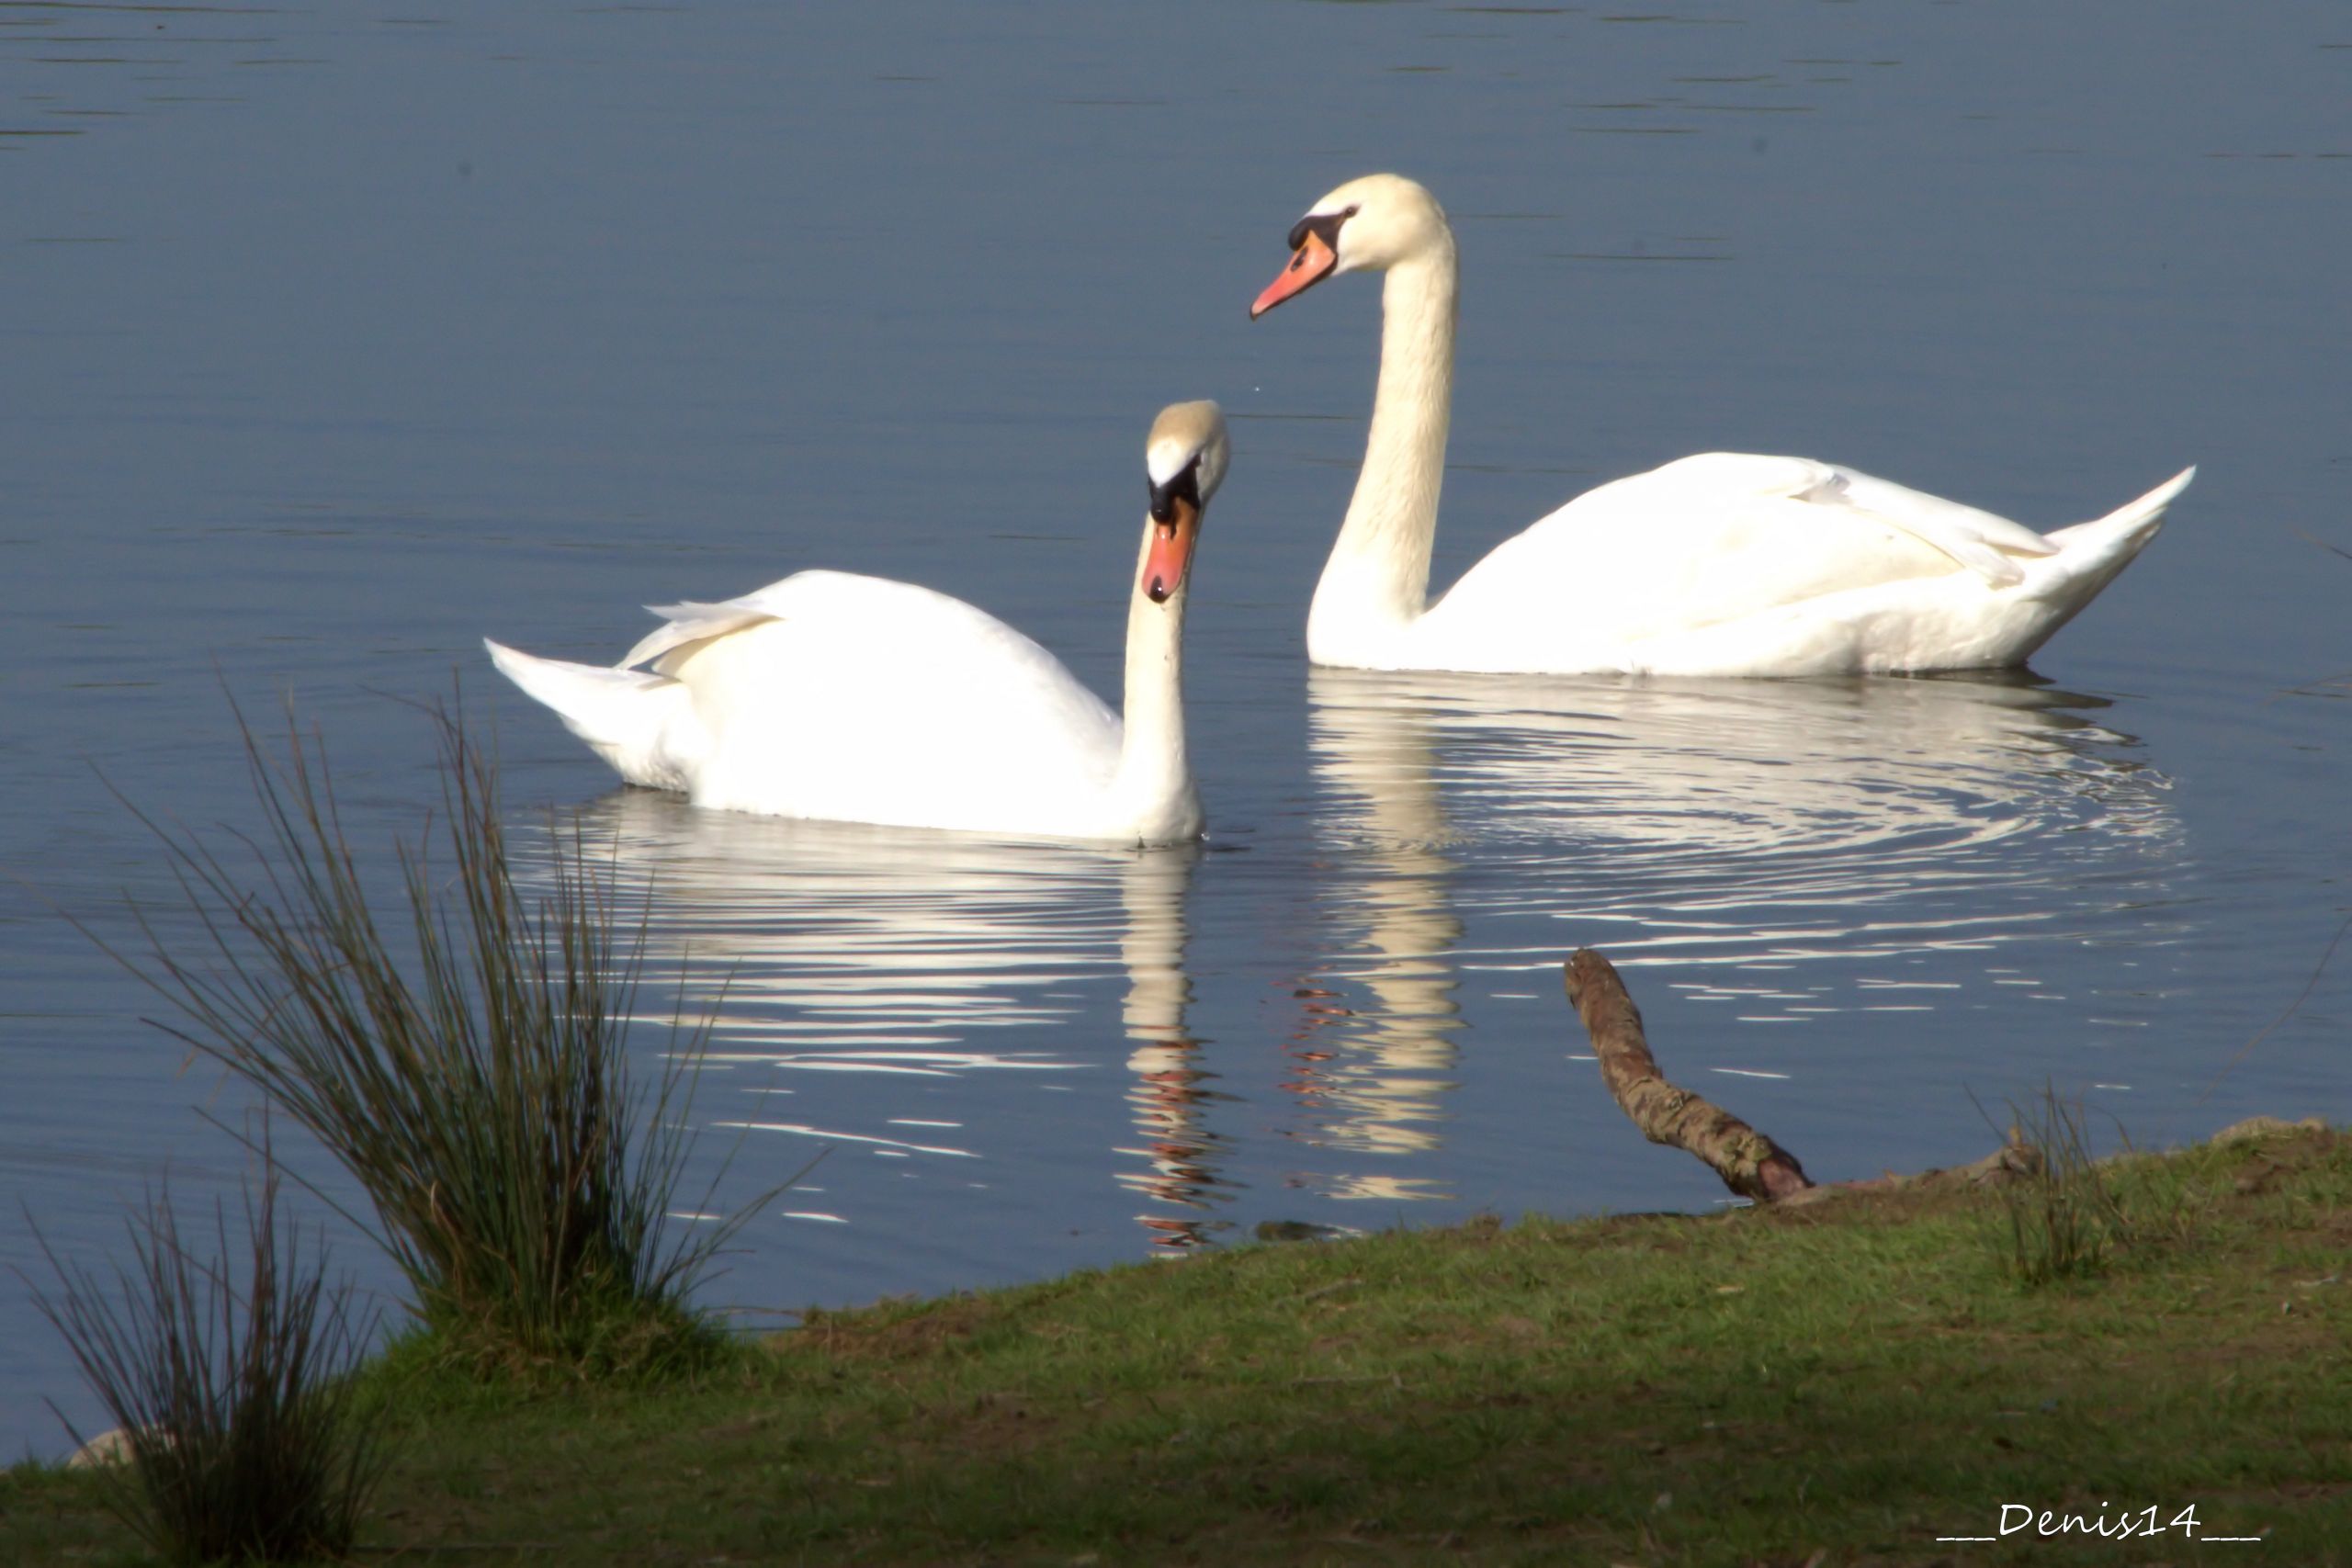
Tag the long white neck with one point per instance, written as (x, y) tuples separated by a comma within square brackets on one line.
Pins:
[(1154, 786), (1377, 582)]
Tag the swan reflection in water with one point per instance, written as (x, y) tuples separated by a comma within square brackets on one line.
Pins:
[(1743, 832), (934, 980)]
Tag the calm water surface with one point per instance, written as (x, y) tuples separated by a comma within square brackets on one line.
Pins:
[(337, 338)]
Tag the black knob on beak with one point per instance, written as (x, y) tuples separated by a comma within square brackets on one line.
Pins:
[(1186, 484)]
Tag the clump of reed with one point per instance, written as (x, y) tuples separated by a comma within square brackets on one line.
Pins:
[(2067, 1212), (465, 1058), (241, 1439)]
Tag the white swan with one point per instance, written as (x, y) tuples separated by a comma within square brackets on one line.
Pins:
[(859, 699), (1720, 564)]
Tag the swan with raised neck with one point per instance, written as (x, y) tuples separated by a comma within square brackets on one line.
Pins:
[(1723, 563)]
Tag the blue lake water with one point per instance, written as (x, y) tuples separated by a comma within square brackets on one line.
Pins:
[(338, 338)]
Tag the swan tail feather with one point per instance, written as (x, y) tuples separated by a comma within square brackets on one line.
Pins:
[(642, 724), (2089, 557), (2090, 554)]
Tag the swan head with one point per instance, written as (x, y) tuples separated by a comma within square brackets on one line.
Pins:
[(1368, 224), (1184, 461)]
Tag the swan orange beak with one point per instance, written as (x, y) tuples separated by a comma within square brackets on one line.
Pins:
[(1309, 265), (1169, 554)]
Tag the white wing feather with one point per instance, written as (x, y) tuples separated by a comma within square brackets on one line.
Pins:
[(1768, 565)]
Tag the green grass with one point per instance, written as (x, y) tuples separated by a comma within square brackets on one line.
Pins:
[(1856, 1377)]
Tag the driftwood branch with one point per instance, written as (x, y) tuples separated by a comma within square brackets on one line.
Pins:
[(1749, 1163)]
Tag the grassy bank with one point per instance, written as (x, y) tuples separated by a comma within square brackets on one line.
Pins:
[(1855, 1378)]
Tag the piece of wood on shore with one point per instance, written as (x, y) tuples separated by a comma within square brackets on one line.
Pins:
[(1749, 1163)]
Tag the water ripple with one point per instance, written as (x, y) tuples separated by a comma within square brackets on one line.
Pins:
[(874, 965), (1810, 839)]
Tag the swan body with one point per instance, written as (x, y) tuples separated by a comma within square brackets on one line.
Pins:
[(1721, 564), (834, 696)]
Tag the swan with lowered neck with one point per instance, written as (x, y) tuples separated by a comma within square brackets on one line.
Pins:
[(1721, 564), (859, 699)]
